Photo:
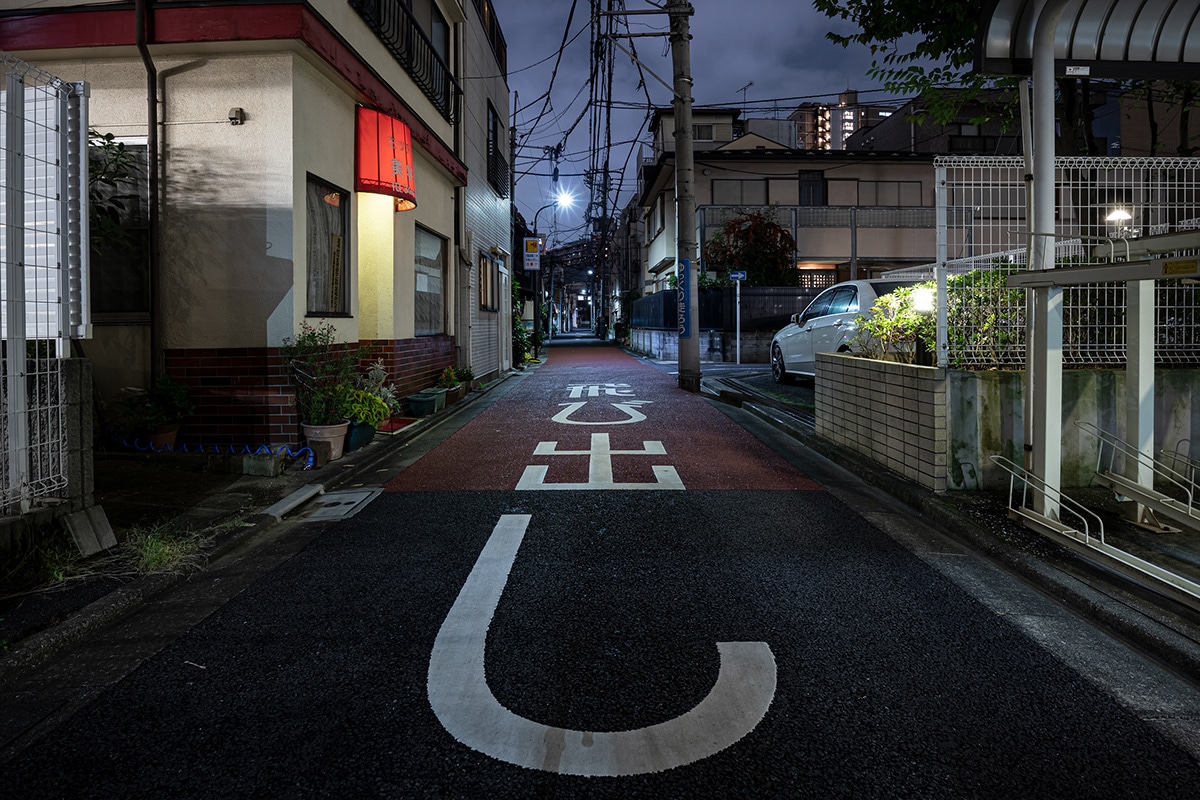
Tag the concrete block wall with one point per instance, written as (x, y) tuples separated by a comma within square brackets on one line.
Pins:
[(715, 346), (894, 414)]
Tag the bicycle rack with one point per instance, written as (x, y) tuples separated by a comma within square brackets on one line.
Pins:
[(1180, 508), (1088, 535)]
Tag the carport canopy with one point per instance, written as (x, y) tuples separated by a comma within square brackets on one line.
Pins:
[(1126, 39), (1096, 38)]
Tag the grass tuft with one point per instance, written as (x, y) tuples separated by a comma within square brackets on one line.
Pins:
[(53, 561)]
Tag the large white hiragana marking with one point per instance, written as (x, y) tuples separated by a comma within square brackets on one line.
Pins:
[(600, 472), (593, 390), (463, 702), (629, 407)]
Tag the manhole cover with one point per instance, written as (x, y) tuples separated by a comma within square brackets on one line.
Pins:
[(340, 505)]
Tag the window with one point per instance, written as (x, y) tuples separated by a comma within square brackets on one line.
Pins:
[(812, 188), (120, 229), (431, 21), (702, 133), (497, 163), (439, 34), (844, 301), (430, 269), (889, 193), (817, 308), (739, 193), (328, 279), (656, 219), (783, 191), (489, 269)]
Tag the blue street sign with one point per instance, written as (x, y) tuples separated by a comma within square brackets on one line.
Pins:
[(683, 301), (737, 274)]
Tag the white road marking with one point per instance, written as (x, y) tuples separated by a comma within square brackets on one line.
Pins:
[(629, 407), (600, 474), (593, 390), (466, 707)]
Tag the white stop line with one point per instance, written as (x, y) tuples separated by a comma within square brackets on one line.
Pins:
[(462, 701)]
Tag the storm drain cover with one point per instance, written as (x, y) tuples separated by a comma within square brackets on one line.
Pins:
[(340, 505)]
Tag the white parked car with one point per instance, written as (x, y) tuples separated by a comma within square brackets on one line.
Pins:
[(826, 326)]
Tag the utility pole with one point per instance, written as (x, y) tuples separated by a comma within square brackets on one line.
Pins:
[(685, 198)]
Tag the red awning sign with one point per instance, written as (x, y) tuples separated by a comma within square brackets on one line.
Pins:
[(384, 161)]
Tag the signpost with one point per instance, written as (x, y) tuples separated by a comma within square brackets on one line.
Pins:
[(533, 255), (533, 263), (737, 276)]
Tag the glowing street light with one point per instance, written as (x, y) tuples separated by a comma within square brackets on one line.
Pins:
[(562, 201)]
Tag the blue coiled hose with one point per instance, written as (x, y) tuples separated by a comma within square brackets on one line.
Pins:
[(217, 449)]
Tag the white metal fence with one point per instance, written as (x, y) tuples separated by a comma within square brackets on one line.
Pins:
[(43, 235), (1101, 204)]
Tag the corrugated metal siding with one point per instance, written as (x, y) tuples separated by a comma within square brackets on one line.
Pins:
[(488, 217)]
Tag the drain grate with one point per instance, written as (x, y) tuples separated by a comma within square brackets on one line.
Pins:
[(340, 505)]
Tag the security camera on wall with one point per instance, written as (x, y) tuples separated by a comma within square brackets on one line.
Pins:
[(236, 116)]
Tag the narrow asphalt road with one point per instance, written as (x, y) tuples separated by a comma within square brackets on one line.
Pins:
[(600, 586)]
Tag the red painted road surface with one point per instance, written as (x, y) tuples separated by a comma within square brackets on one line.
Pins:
[(607, 388)]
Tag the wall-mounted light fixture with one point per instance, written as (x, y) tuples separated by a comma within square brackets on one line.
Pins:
[(237, 116)]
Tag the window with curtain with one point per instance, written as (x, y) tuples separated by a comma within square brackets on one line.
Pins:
[(328, 209), (430, 269), (488, 280)]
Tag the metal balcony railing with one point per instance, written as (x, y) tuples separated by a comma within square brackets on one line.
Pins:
[(400, 33)]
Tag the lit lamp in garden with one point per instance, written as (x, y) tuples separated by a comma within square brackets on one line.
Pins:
[(1121, 220)]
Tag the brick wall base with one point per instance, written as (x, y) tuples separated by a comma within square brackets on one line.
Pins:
[(245, 396)]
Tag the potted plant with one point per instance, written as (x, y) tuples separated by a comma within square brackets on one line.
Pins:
[(367, 411), (449, 381), (467, 376), (153, 415), (323, 372), (374, 381)]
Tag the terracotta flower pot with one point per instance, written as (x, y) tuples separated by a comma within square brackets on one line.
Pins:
[(334, 434)]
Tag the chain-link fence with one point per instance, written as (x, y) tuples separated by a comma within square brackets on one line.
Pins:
[(1102, 204), (43, 235)]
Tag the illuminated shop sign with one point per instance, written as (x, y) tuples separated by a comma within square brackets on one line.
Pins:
[(383, 159)]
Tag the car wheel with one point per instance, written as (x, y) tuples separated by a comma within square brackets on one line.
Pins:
[(777, 371)]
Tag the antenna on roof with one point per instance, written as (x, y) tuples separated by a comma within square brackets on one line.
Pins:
[(743, 91)]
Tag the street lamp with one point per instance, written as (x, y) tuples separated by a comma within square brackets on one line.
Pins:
[(562, 200)]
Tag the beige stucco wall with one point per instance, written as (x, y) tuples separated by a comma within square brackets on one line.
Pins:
[(227, 227), (322, 128)]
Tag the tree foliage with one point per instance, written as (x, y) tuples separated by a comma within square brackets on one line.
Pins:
[(113, 175), (919, 47), (924, 47), (755, 242)]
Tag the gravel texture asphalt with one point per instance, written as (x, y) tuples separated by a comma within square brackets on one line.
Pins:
[(893, 682), (907, 666)]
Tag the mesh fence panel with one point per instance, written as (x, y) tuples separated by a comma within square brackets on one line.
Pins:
[(43, 174), (1102, 204)]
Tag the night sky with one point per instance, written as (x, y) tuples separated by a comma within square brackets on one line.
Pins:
[(779, 45)]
